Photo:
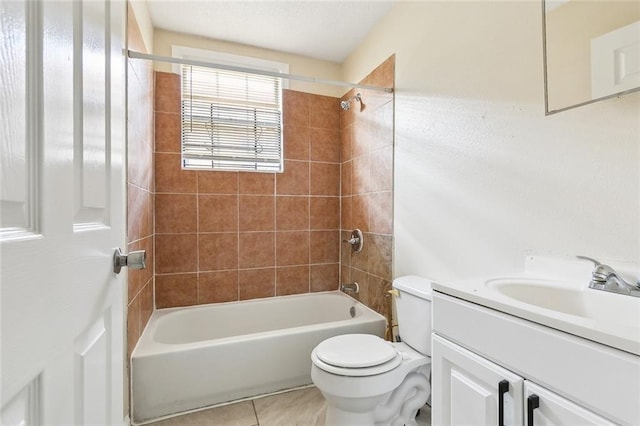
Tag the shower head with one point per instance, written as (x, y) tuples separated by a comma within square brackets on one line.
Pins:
[(346, 105)]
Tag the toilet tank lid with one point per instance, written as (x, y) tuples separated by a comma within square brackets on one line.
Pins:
[(413, 284)]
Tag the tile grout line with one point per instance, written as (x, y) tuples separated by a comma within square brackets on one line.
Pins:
[(275, 235), (238, 237), (197, 239), (255, 412)]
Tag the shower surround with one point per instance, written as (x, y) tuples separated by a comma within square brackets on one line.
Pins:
[(228, 236), (224, 236), (140, 181), (367, 188)]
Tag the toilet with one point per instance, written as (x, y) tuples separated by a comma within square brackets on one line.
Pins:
[(369, 381)]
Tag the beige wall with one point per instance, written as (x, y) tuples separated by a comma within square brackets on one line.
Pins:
[(481, 176), (570, 29), (298, 65), (143, 19)]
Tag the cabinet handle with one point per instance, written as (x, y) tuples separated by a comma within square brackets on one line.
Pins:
[(533, 402), (503, 387)]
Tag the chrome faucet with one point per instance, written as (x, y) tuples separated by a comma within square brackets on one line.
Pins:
[(350, 288), (356, 241), (605, 278)]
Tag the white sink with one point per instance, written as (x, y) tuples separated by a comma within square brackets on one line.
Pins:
[(546, 294), (600, 306), (612, 319)]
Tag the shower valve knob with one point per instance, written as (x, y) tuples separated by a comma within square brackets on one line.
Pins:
[(134, 260), (356, 241)]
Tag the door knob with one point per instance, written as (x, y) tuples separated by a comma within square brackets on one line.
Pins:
[(134, 260)]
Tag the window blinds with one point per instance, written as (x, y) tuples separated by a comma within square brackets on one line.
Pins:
[(231, 120)]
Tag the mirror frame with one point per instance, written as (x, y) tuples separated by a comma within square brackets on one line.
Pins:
[(546, 87)]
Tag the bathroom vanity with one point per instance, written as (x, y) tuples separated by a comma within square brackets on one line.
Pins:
[(516, 357)]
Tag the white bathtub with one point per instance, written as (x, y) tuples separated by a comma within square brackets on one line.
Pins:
[(188, 358)]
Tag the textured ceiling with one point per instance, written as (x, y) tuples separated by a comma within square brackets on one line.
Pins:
[(328, 30)]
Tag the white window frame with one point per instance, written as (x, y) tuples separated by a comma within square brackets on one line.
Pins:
[(182, 52)]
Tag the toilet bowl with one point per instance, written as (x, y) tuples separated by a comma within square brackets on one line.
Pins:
[(369, 381)]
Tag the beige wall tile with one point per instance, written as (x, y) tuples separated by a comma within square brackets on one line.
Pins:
[(167, 104), (256, 213), (292, 248), (292, 213), (168, 132), (325, 179), (176, 290), (360, 212), (217, 213), (176, 253), (346, 136), (381, 169), (176, 213), (324, 212), (381, 212), (296, 108), (324, 112), (257, 183), (367, 189), (167, 84), (346, 207), (140, 186), (346, 178), (211, 182), (360, 175), (134, 330), (138, 278), (237, 212), (296, 142), (324, 247), (146, 304), (217, 287), (294, 180), (217, 251), (325, 145), (170, 177), (325, 277), (257, 283), (256, 249), (292, 280)]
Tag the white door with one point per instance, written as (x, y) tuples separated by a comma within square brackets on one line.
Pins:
[(62, 212), (550, 409), (470, 390)]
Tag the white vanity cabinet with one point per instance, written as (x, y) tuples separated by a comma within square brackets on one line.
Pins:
[(491, 368), (472, 390), (475, 391), (548, 408)]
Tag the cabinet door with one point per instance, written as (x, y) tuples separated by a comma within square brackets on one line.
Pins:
[(552, 409), (470, 390)]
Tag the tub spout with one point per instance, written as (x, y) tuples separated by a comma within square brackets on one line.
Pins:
[(350, 288)]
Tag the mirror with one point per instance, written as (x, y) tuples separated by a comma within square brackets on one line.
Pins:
[(591, 51)]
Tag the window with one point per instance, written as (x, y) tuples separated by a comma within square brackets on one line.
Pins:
[(231, 120)]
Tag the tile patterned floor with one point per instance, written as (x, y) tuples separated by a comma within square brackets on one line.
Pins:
[(296, 408)]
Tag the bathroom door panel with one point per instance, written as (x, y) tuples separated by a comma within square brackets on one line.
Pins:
[(62, 212), (465, 388)]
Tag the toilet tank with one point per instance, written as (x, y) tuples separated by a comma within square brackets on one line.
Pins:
[(413, 309)]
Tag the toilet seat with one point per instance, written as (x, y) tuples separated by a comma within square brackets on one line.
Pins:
[(355, 351), (356, 355)]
